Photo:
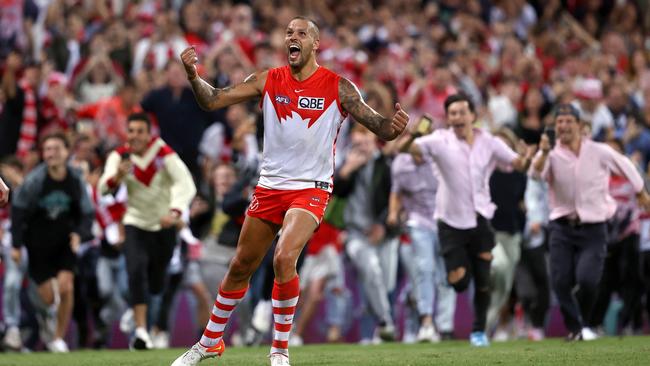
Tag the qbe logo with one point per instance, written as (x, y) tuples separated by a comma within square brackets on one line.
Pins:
[(311, 103)]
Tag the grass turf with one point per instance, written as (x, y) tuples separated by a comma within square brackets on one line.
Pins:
[(607, 351)]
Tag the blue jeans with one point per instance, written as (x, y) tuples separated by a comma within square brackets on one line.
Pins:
[(430, 273), (14, 274)]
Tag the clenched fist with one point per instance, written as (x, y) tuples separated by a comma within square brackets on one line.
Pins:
[(400, 120), (189, 58)]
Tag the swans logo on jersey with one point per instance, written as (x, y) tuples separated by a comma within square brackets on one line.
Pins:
[(311, 103), (282, 99)]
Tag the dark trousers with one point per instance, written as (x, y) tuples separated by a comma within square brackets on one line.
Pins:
[(621, 274), (645, 274), (462, 248), (577, 257), (147, 255), (532, 284)]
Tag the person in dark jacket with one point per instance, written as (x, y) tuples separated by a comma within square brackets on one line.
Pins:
[(51, 215)]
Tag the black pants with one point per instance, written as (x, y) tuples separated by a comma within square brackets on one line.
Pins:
[(532, 285), (645, 273), (86, 297), (462, 248), (147, 255), (577, 257), (621, 274), (173, 283)]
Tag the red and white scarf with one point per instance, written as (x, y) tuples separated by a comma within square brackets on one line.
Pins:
[(28, 128)]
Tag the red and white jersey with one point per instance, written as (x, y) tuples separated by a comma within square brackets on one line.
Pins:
[(301, 123)]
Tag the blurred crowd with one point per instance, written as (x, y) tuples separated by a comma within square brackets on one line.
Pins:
[(82, 66)]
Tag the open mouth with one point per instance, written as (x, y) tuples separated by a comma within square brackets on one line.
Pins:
[(294, 52)]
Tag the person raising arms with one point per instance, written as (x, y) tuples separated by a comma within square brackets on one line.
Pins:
[(304, 106)]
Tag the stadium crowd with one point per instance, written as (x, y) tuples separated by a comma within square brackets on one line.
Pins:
[(75, 71)]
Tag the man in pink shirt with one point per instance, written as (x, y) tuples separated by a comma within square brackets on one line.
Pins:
[(578, 172), (466, 157)]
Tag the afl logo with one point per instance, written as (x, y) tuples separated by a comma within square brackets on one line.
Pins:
[(281, 99), (255, 204)]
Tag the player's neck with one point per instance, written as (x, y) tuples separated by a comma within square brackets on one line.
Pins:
[(305, 71)]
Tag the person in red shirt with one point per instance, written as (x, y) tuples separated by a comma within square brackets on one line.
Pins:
[(304, 106)]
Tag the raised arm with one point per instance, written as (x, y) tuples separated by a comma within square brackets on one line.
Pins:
[(539, 162), (210, 98), (385, 128), (406, 145)]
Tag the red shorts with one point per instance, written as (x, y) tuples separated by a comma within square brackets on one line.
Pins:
[(272, 204)]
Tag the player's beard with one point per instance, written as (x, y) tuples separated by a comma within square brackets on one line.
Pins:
[(298, 62)]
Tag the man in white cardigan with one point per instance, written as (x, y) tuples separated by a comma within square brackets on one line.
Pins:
[(160, 188)]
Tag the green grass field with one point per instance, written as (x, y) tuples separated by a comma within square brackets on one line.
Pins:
[(608, 351)]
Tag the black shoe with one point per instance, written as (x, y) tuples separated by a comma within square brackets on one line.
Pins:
[(139, 344)]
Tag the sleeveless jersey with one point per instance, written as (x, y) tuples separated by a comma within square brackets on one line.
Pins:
[(302, 120)]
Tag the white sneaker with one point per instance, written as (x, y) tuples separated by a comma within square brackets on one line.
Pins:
[(374, 341), (535, 334), (127, 322), (278, 359), (427, 333), (295, 340), (588, 334), (501, 335), (160, 340), (58, 345), (141, 339), (199, 353), (12, 339), (262, 316), (409, 338)]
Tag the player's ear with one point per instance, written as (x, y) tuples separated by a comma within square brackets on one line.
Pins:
[(316, 43)]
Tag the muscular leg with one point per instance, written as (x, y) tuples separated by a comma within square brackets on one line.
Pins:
[(254, 241), (298, 227)]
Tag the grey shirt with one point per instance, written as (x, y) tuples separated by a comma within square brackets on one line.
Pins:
[(358, 214)]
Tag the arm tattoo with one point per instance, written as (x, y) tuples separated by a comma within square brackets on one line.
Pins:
[(210, 98), (205, 94), (250, 79), (352, 102)]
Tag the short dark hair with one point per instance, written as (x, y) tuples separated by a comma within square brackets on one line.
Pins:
[(566, 109), (311, 22), (56, 135), (139, 116), (13, 161), (459, 97)]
